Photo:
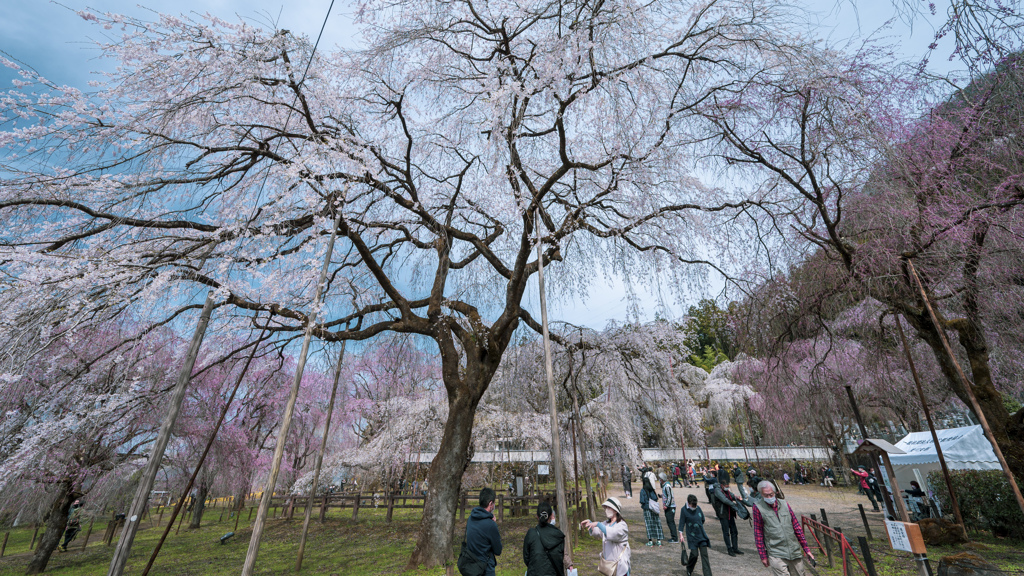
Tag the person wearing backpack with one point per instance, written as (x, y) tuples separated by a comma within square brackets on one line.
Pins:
[(652, 512), (544, 546), (482, 546), (669, 506)]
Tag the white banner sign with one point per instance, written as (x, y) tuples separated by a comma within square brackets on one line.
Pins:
[(542, 469)]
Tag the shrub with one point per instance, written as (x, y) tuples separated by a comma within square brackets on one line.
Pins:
[(986, 501)]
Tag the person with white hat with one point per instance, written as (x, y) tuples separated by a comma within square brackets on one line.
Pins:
[(615, 554)]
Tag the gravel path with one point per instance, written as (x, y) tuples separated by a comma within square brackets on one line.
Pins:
[(839, 503)]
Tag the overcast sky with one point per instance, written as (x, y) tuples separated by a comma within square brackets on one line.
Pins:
[(54, 40)]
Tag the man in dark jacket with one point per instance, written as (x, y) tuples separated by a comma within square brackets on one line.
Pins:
[(482, 538), (544, 546), (691, 522), (726, 505)]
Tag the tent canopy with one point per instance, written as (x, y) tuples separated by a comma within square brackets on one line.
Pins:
[(964, 448)]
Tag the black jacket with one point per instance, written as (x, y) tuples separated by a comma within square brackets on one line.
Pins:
[(543, 551), (482, 538)]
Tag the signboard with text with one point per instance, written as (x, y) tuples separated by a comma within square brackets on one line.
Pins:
[(898, 535), (542, 469), (905, 536)]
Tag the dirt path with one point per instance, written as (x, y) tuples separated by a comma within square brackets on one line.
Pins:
[(839, 503)]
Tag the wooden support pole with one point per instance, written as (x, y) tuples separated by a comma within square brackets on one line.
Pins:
[(941, 330), (238, 516), (32, 545), (206, 451), (88, 531), (865, 552), (874, 461), (827, 538), (3, 547), (289, 411), (391, 506), (156, 454), (931, 427), (556, 443), (864, 518), (355, 506), (319, 462)]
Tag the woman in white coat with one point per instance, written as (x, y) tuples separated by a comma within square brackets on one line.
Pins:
[(615, 536)]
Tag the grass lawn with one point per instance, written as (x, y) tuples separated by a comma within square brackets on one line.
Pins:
[(1005, 554), (369, 546)]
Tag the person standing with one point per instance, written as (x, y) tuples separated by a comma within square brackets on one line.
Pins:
[(859, 472), (778, 535), (74, 524), (483, 541), (677, 474), (725, 504), (652, 520), (627, 481), (691, 521), (669, 506), (544, 545), (614, 534)]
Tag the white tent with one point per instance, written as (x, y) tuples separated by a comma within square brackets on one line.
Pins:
[(964, 449)]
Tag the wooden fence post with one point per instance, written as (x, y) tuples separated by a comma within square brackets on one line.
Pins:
[(323, 509), (391, 506), (501, 507), (355, 505), (864, 517), (88, 531), (866, 553), (462, 507), (846, 558)]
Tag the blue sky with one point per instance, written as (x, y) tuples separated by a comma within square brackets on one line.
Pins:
[(54, 40)]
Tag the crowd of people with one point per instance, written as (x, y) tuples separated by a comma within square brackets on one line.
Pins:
[(778, 536)]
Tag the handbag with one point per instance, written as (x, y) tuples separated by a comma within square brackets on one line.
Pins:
[(468, 564), (609, 567), (654, 506)]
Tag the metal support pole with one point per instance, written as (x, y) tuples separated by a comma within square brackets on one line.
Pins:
[(156, 455)]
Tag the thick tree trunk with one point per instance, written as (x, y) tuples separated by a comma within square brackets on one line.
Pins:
[(1006, 428), (202, 491), (444, 481), (55, 525)]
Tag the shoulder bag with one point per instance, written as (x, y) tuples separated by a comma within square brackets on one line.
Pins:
[(610, 567), (468, 564)]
